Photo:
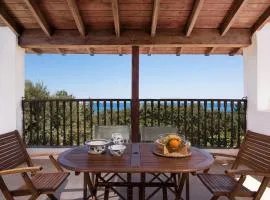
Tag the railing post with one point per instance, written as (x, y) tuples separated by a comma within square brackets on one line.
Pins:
[(135, 106)]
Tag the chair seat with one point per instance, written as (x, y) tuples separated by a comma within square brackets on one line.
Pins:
[(47, 182), (220, 184)]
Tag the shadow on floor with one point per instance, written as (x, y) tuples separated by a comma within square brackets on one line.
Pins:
[(72, 188)]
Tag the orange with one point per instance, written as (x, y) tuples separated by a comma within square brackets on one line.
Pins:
[(173, 143)]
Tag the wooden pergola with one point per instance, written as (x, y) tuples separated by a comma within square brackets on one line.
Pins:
[(134, 27), (113, 26)]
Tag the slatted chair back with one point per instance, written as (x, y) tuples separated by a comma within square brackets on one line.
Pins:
[(150, 134), (254, 152), (105, 132), (12, 151)]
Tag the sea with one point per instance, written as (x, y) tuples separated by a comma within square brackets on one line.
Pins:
[(222, 106)]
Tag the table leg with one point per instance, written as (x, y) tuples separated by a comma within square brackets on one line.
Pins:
[(164, 191), (106, 193), (90, 182), (129, 189), (175, 186), (181, 183), (142, 187), (187, 186), (85, 183)]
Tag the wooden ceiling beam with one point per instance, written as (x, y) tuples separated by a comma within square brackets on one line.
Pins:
[(209, 51), (262, 20), (71, 39), (91, 51), (155, 17), (33, 7), (73, 7), (235, 51), (194, 16), (231, 16), (115, 10), (8, 20), (179, 51)]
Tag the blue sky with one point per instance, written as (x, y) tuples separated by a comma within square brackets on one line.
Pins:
[(161, 76)]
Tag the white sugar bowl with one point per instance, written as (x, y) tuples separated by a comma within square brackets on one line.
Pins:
[(117, 138), (97, 146), (117, 149)]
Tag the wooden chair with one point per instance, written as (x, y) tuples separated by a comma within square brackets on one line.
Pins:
[(150, 134), (13, 154), (105, 132), (254, 154)]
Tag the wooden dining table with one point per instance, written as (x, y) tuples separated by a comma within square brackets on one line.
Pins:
[(100, 170)]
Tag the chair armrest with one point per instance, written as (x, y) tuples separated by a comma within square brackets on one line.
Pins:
[(50, 155), (223, 155), (21, 170), (246, 172), (56, 164)]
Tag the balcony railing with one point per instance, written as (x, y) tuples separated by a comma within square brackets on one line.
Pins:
[(212, 123)]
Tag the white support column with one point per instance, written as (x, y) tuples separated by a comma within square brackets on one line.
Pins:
[(11, 81), (257, 81)]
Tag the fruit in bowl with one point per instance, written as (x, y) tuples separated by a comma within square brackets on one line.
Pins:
[(174, 143), (171, 143)]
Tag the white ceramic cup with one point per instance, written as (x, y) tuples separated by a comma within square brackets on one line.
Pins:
[(117, 138), (117, 149)]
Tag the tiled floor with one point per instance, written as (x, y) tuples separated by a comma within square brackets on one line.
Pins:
[(72, 189)]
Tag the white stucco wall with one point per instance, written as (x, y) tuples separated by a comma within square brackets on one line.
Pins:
[(11, 81), (257, 81)]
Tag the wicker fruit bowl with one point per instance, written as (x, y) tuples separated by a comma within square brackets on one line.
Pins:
[(171, 145)]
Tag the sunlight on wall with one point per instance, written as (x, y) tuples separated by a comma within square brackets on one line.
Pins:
[(263, 69)]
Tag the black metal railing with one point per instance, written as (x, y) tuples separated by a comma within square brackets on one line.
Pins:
[(213, 123)]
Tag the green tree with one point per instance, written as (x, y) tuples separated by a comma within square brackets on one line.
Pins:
[(62, 94), (35, 90)]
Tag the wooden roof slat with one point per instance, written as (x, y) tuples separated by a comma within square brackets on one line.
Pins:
[(76, 15), (179, 51), (162, 25), (115, 10), (33, 7), (231, 16), (209, 51), (71, 38), (155, 17), (9, 21), (193, 17), (235, 51), (261, 21)]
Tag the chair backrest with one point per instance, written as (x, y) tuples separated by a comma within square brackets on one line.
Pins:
[(105, 132), (12, 151), (254, 152), (150, 134)]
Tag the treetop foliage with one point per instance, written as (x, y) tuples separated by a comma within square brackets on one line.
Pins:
[(39, 90)]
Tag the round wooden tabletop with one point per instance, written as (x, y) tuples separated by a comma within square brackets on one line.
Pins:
[(138, 157)]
